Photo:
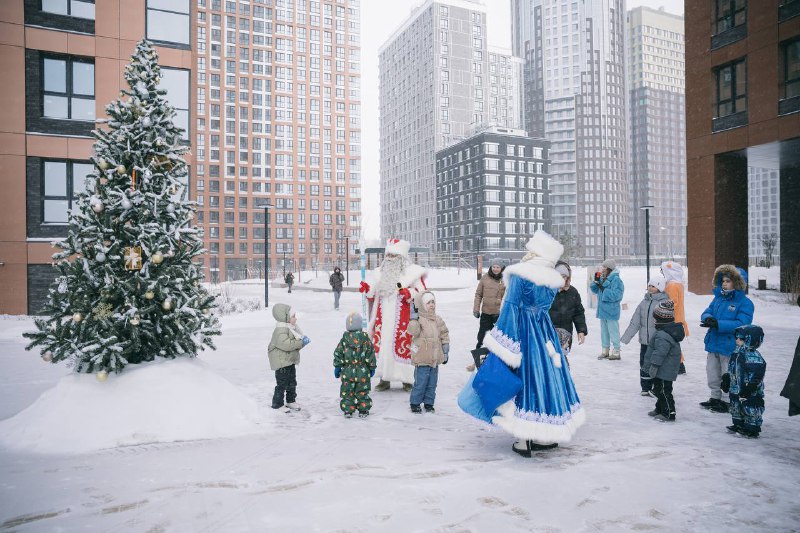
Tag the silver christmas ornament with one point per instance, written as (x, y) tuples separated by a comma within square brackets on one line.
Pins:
[(77, 318), (126, 204), (101, 257), (146, 122), (170, 208), (47, 356), (167, 305)]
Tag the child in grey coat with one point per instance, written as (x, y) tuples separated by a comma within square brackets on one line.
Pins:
[(643, 323), (663, 359)]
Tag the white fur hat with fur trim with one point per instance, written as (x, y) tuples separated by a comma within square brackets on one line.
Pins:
[(398, 247), (545, 246)]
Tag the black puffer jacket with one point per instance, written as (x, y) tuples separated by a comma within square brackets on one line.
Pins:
[(336, 280), (567, 310)]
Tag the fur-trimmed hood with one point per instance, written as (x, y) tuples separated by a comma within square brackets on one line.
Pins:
[(739, 282)]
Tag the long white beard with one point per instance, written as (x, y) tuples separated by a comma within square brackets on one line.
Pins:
[(392, 269)]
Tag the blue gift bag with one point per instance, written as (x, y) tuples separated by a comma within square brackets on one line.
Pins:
[(470, 403), (495, 383)]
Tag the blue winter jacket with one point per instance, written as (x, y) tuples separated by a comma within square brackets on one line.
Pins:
[(731, 311), (609, 295)]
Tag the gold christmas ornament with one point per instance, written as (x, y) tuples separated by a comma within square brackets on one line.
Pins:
[(149, 295), (206, 311), (157, 258), (103, 164), (190, 216), (101, 376), (167, 305), (47, 356), (135, 321), (77, 318), (121, 170), (133, 258), (103, 311)]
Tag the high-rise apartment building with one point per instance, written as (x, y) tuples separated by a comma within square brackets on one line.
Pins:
[(278, 123), (763, 214), (62, 62), (743, 111), (576, 98), (439, 84), (491, 191), (656, 77)]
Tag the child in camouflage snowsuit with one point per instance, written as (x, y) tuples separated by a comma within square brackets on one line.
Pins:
[(354, 363), (744, 382)]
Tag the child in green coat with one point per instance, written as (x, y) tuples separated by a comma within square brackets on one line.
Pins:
[(284, 354), (354, 363)]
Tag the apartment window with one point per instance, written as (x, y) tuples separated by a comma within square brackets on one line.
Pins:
[(791, 69), (168, 21), (83, 9), (61, 183), (68, 88), (729, 14), (731, 88), (176, 83)]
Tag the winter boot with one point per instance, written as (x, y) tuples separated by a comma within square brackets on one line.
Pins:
[(292, 406), (363, 414), (733, 429), (524, 448), (415, 408), (709, 403), (682, 369), (603, 354), (749, 433), (614, 355), (382, 386), (662, 418), (721, 407), (348, 415), (646, 393), (429, 409), (408, 386), (654, 412)]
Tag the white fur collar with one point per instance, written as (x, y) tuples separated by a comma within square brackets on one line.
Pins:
[(540, 273)]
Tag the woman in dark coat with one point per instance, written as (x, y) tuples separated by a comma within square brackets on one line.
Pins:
[(791, 390), (567, 309)]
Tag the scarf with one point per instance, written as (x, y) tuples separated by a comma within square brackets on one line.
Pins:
[(296, 332)]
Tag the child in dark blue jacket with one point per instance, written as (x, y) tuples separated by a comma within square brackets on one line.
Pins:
[(729, 309), (744, 382)]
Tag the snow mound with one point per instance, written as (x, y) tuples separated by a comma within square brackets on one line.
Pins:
[(168, 401)]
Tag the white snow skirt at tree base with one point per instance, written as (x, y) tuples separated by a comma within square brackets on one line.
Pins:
[(163, 401)]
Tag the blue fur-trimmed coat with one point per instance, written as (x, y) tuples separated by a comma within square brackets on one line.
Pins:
[(731, 309)]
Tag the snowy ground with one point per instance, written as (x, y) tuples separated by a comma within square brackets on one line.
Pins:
[(396, 471)]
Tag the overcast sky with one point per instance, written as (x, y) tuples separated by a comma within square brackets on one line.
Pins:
[(379, 19)]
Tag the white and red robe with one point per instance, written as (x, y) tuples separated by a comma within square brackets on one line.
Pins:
[(391, 313)]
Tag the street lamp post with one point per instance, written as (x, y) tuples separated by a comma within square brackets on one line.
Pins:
[(347, 258), (647, 209), (266, 208), (284, 264), (604, 243)]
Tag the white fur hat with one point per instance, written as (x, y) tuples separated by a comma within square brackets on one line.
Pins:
[(545, 246), (398, 247), (657, 281), (427, 296)]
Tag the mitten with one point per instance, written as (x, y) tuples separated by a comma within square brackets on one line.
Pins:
[(653, 371), (446, 350), (748, 390), (712, 322), (414, 314), (364, 287), (372, 374), (337, 372), (306, 340), (476, 314), (404, 293), (597, 276), (725, 386)]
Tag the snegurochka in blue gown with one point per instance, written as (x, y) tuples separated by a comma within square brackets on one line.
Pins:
[(546, 410)]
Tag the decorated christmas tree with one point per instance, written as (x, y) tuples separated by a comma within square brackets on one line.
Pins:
[(127, 290)]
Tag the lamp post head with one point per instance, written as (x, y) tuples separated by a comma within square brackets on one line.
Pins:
[(647, 207)]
